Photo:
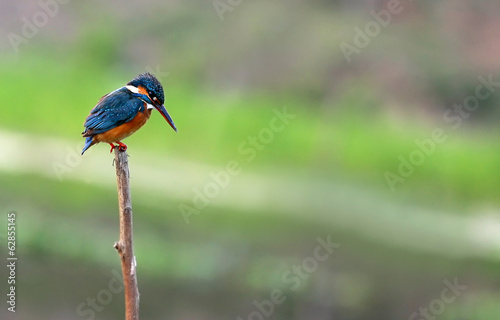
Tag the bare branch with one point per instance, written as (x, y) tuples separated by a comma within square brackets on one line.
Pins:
[(125, 246)]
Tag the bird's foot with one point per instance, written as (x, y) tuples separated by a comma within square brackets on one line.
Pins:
[(121, 146)]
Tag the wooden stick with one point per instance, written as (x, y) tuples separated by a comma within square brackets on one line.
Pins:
[(125, 246)]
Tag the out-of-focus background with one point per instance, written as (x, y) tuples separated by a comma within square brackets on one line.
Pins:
[(334, 160)]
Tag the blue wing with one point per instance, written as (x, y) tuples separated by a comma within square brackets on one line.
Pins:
[(112, 110)]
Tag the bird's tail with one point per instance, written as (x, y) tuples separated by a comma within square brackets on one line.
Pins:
[(88, 143)]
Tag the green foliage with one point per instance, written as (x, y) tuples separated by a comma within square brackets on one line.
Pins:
[(346, 138), (224, 83)]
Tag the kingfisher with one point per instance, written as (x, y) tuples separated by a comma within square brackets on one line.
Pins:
[(122, 112)]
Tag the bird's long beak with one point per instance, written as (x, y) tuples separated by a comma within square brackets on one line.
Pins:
[(165, 115)]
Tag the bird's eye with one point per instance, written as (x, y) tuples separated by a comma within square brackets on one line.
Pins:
[(155, 98)]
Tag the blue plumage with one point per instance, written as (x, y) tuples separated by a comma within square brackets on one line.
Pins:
[(113, 110), (88, 143)]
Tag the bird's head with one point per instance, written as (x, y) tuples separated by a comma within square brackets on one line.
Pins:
[(151, 91)]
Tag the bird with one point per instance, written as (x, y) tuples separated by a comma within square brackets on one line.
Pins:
[(123, 111)]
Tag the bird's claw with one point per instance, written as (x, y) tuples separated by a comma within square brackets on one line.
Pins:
[(121, 146)]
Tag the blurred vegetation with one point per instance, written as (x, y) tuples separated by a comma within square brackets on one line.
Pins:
[(222, 80)]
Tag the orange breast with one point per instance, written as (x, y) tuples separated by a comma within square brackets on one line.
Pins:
[(124, 130)]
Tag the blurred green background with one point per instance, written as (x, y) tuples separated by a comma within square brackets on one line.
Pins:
[(390, 151)]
